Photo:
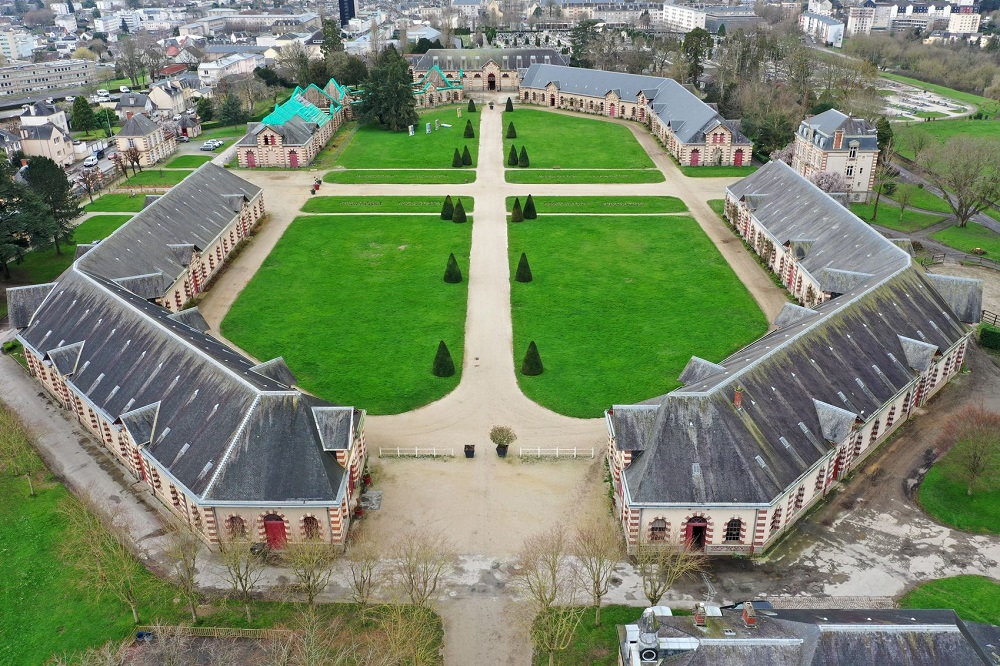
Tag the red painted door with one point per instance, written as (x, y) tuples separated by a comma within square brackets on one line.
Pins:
[(611, 110), (293, 160), (694, 157), (274, 531), (251, 159), (738, 158)]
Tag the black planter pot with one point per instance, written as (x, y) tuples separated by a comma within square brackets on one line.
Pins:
[(491, 105), (470, 451), (502, 451)]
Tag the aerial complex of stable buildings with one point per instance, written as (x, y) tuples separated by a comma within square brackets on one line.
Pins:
[(226, 443), (484, 70), (732, 458), (835, 142)]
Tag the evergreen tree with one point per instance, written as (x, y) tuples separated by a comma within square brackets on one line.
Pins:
[(459, 216), (466, 157), (529, 209), (472, 105), (523, 273), (231, 111), (511, 132), (456, 161), (206, 109), (512, 156), (48, 180), (83, 116), (448, 209), (452, 273), (387, 94), (523, 161), (443, 365), (25, 223), (884, 132), (510, 105), (469, 132), (532, 364), (515, 213)]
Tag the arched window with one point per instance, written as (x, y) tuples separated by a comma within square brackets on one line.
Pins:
[(734, 530), (658, 530), (310, 527), (236, 527)]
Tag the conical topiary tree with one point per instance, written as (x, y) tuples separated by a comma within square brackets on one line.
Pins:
[(456, 161), (466, 157), (523, 273), (459, 216), (511, 132), (452, 273), (447, 210), (512, 156), (510, 105), (469, 132), (523, 160), (529, 209), (532, 364), (515, 213), (443, 365), (472, 106)]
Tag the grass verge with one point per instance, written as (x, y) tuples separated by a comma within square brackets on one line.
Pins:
[(974, 598), (946, 500), (369, 306), (620, 331), (889, 216), (968, 238), (402, 177), (532, 176), (630, 205), (188, 161), (157, 178), (388, 204), (717, 171), (116, 203)]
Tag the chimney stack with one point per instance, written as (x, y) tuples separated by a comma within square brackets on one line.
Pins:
[(749, 616), (699, 615), (738, 398)]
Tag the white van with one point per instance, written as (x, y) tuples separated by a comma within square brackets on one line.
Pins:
[(101, 92)]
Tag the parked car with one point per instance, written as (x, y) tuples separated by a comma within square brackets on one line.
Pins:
[(208, 145), (90, 161), (70, 99), (101, 92), (124, 89), (182, 139)]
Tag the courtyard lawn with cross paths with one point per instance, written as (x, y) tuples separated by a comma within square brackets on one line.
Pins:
[(943, 495), (375, 148), (618, 306), (558, 140), (974, 598), (388, 204), (582, 176), (624, 205), (966, 239), (356, 305), (401, 177)]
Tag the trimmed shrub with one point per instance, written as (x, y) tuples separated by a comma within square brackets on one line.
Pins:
[(447, 210), (523, 160), (515, 213), (466, 157), (510, 105), (529, 209), (472, 106), (989, 336), (452, 273), (459, 216), (443, 365), (523, 273), (469, 132), (512, 156), (456, 161), (532, 364), (511, 132)]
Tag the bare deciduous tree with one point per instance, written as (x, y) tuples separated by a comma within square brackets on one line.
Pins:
[(541, 568), (91, 179), (244, 568), (903, 196), (312, 563), (918, 140), (974, 437), (661, 564), (555, 627), (885, 177), (134, 157), (183, 548), (967, 168), (17, 457), (598, 548), (109, 654), (421, 559), (403, 636), (364, 565)]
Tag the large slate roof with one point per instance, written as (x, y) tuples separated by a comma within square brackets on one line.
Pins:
[(138, 125), (688, 117), (475, 59), (802, 384), (826, 124)]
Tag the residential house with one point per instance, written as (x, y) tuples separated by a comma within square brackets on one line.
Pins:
[(148, 137), (835, 142), (236, 64), (291, 135), (10, 143), (826, 29), (44, 132), (131, 104), (170, 96)]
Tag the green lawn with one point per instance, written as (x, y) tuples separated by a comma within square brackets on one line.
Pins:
[(941, 130), (157, 178), (629, 205), (39, 267), (559, 140), (982, 103), (967, 238), (945, 499), (188, 161), (717, 171), (922, 198), (381, 204), (931, 114), (116, 203), (375, 148), (402, 177), (974, 598), (569, 176), (619, 305), (357, 305), (227, 132), (888, 216)]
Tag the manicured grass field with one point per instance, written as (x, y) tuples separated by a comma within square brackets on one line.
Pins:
[(974, 598), (375, 148), (717, 171), (381, 204), (357, 305), (559, 140), (39, 267), (921, 198), (116, 203), (157, 178), (944, 497), (629, 205), (970, 237), (570, 176), (188, 161), (402, 177), (941, 130), (619, 305), (888, 216), (227, 132)]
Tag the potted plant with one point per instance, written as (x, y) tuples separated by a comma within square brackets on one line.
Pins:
[(470, 450), (366, 478), (491, 106), (503, 437)]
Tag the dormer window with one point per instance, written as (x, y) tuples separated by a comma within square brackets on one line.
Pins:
[(853, 154)]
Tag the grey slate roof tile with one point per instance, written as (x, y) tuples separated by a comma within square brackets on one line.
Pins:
[(22, 302), (191, 317), (138, 125), (964, 295)]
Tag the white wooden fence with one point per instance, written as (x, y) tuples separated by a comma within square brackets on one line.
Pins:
[(416, 452), (556, 453)]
